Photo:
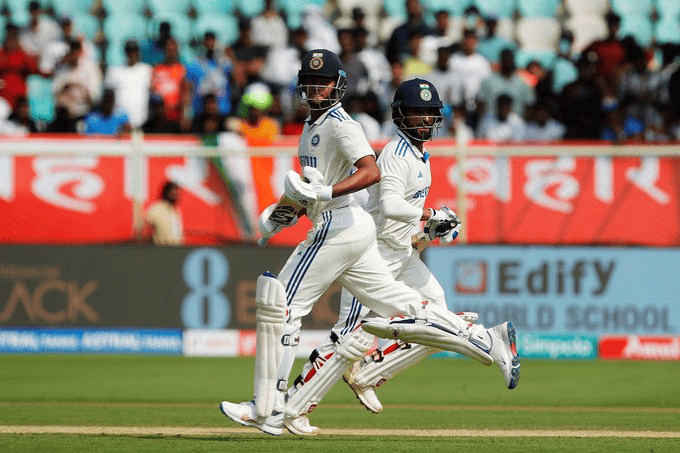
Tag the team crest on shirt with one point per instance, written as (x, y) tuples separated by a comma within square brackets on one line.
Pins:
[(425, 93), (315, 140), (316, 62)]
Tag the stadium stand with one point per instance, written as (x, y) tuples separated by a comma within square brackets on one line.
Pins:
[(218, 6), (169, 6), (640, 27), (225, 26), (633, 8), (120, 27), (112, 7), (40, 98), (586, 29), (586, 7), (538, 33), (667, 30), (668, 9), (86, 24), (71, 7), (538, 8), (498, 8), (249, 8), (181, 27)]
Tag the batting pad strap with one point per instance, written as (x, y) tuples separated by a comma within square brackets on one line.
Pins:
[(270, 300), (411, 330), (325, 372), (393, 360)]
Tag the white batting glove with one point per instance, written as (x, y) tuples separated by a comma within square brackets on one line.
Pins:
[(268, 225), (304, 192), (441, 223)]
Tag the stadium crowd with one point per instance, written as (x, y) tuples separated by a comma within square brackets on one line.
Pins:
[(502, 76)]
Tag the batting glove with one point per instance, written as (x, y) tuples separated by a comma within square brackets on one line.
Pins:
[(441, 223), (305, 191)]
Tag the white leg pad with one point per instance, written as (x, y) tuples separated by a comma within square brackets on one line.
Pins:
[(312, 386), (383, 364), (410, 330), (270, 299)]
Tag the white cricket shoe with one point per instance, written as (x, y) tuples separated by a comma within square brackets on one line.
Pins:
[(244, 414), (365, 394), (300, 425), (504, 352)]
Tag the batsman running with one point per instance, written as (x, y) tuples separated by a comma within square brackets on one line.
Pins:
[(341, 246)]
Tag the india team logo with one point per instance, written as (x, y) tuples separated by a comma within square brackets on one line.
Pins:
[(425, 93), (315, 140), (316, 62)]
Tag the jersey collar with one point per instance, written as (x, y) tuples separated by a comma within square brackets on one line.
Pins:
[(424, 156), (323, 117)]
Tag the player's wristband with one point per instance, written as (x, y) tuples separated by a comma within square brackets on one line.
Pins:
[(326, 193)]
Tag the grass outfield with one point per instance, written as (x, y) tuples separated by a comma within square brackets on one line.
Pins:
[(103, 403)]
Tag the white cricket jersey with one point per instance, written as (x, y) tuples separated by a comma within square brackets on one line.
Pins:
[(397, 201), (332, 144)]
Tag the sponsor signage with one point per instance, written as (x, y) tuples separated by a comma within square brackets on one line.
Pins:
[(142, 286), (555, 290), (232, 343), (90, 341), (541, 346), (639, 348)]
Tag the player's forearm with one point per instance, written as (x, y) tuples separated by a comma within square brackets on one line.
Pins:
[(365, 176), (397, 209)]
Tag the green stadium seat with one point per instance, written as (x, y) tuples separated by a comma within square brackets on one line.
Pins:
[(668, 9), (122, 27), (122, 6), (169, 6), (40, 98), (220, 6), (115, 54), (667, 30), (86, 24), (250, 8), (640, 27), (455, 8), (395, 8), (19, 6), (225, 26), (180, 26), (538, 8), (545, 57), (3, 23), (498, 8), (71, 7), (632, 8)]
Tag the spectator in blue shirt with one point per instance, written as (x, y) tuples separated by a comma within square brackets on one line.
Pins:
[(210, 74), (106, 121)]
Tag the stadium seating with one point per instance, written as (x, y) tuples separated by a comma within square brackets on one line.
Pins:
[(586, 29), (640, 27), (71, 7), (180, 26), (3, 23), (225, 27), (668, 9), (250, 8), (498, 8), (169, 6), (122, 27), (456, 8), (538, 8), (586, 7), (86, 24), (19, 6), (122, 6), (40, 98), (370, 9), (545, 56), (219, 6), (632, 8), (115, 53), (538, 33), (667, 30), (506, 28), (396, 9)]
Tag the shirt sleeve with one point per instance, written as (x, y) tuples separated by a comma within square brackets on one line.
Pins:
[(352, 141), (392, 190)]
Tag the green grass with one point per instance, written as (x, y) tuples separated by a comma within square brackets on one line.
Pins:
[(435, 394)]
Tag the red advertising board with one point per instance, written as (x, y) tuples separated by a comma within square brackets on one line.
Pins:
[(639, 348)]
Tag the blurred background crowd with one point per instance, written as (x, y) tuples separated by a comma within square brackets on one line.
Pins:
[(506, 70)]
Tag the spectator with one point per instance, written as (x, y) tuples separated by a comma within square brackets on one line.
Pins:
[(164, 217), (77, 83), (544, 127), (360, 23), (131, 84), (504, 124), (62, 122), (357, 109), (374, 60), (414, 65), (321, 34), (15, 66), (581, 101), (564, 71), (158, 122), (508, 81), (282, 64), (268, 28), (168, 80), (610, 53), (397, 46), (40, 31), (491, 46), (55, 50), (357, 74), (152, 50), (106, 120), (473, 20), (470, 69), (258, 127), (444, 80), (210, 120), (21, 118), (458, 127), (210, 73), (441, 37), (638, 89), (618, 126)]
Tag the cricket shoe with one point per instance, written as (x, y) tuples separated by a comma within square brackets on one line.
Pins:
[(300, 425), (244, 414), (365, 394), (504, 352)]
